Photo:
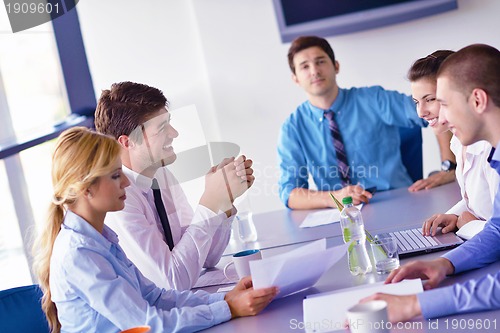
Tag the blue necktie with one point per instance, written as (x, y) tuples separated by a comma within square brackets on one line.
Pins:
[(162, 213), (338, 144)]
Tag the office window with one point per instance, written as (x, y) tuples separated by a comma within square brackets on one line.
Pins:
[(32, 80), (33, 98), (38, 71), (15, 270)]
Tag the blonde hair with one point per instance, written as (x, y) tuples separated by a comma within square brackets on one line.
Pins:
[(80, 157)]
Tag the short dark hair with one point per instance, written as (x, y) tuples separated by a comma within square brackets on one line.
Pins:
[(305, 42), (474, 66), (428, 67), (126, 106)]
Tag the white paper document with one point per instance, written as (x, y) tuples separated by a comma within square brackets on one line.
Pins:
[(297, 269), (324, 216), (327, 312)]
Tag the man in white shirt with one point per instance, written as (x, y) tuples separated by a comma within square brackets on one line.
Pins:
[(169, 250), (478, 185), (477, 179), (468, 90)]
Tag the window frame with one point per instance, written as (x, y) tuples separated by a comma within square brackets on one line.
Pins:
[(77, 80), (82, 104)]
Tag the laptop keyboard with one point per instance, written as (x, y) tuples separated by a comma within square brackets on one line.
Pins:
[(412, 239)]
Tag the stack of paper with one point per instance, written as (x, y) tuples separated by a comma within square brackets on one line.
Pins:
[(326, 312), (295, 270)]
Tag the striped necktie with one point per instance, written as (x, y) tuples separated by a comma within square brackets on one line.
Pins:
[(339, 148), (162, 213)]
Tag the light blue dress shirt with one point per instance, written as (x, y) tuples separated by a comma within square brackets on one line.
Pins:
[(479, 251), (368, 119), (97, 289)]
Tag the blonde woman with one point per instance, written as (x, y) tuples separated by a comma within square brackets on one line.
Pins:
[(89, 284)]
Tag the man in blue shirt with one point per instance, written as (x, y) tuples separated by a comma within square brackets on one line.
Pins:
[(468, 88), (368, 119)]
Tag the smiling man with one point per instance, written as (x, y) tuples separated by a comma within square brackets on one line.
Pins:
[(468, 88), (339, 137), (158, 230)]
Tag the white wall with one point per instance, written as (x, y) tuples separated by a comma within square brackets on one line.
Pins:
[(226, 57), (153, 42)]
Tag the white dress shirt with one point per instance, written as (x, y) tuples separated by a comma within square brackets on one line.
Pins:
[(478, 181), (97, 289), (199, 238)]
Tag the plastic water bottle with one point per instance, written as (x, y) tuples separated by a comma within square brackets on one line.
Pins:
[(353, 232), (246, 227)]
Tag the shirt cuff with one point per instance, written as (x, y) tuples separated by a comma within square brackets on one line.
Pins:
[(437, 302), (209, 213), (204, 214), (458, 208), (216, 297), (459, 259), (285, 194), (455, 211), (220, 311), (205, 211)]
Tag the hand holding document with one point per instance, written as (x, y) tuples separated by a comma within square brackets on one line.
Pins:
[(327, 312), (295, 270), (321, 217)]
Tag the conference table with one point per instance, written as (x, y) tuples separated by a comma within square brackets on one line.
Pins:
[(279, 232)]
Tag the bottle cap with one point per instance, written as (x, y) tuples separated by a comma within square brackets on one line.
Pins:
[(347, 200)]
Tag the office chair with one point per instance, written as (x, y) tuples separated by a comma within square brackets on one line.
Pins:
[(21, 311), (411, 151)]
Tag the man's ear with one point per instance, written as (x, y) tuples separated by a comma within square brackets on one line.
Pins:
[(125, 142), (294, 79), (337, 66), (479, 99)]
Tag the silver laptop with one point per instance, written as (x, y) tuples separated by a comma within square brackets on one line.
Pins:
[(411, 242)]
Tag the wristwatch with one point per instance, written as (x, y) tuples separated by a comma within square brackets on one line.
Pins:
[(448, 165)]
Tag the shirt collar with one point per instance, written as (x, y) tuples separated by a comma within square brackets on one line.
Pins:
[(144, 183), (335, 107), (477, 148), (141, 181), (337, 103), (79, 225)]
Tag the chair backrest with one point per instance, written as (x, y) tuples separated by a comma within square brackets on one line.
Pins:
[(411, 151), (21, 311)]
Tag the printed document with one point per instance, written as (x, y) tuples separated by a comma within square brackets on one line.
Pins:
[(297, 269), (327, 312), (322, 217)]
